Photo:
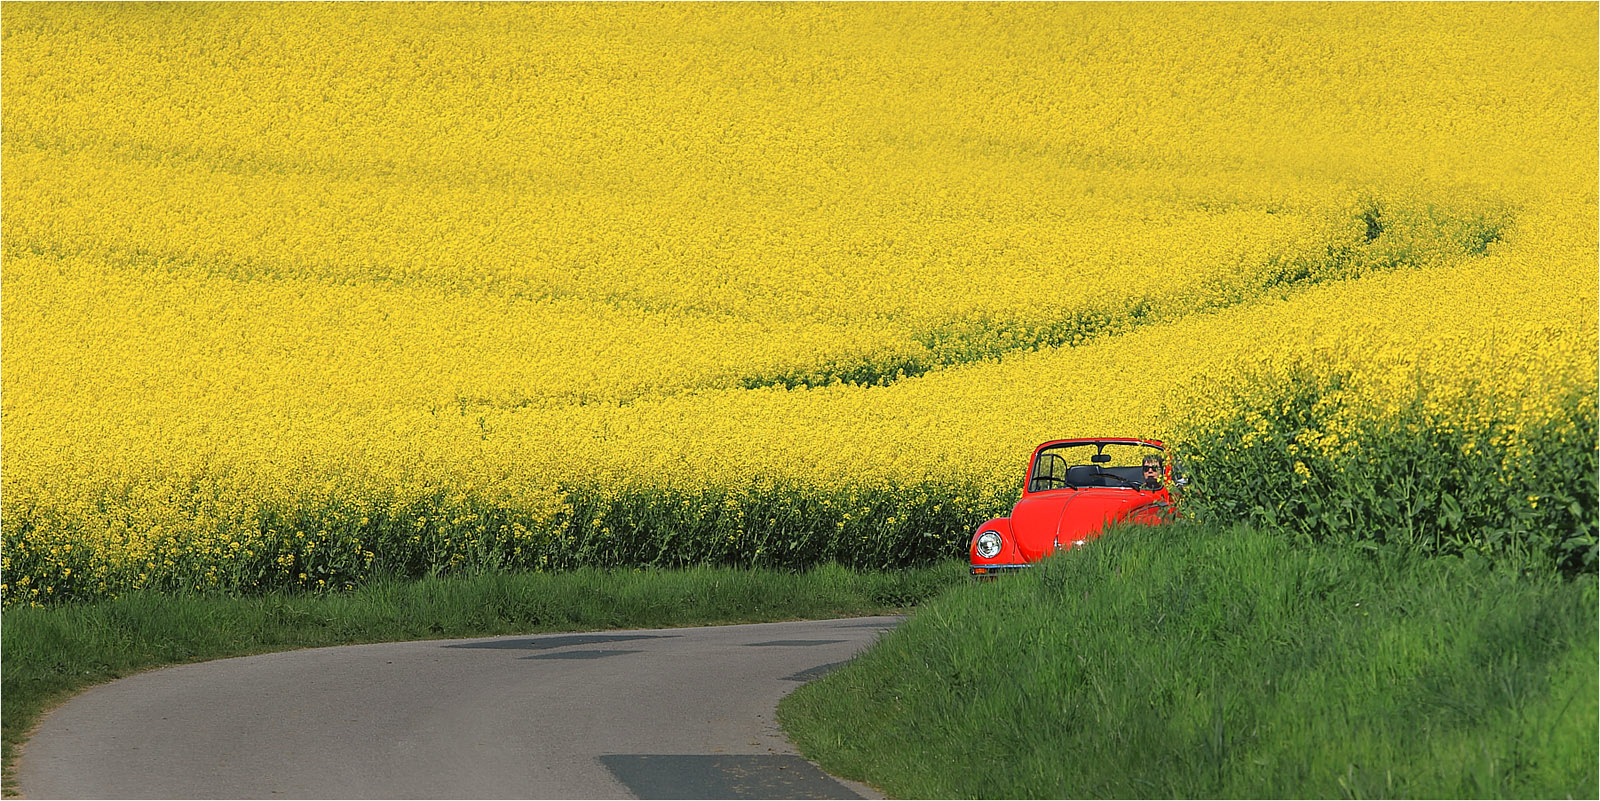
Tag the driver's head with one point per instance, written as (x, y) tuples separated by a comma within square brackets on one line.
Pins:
[(1152, 467)]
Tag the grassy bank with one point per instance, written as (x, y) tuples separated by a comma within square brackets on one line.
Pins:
[(50, 653), (1194, 661)]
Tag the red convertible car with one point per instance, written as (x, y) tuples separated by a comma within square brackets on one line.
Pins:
[(1073, 489)]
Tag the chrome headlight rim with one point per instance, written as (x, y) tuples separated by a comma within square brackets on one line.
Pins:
[(988, 544)]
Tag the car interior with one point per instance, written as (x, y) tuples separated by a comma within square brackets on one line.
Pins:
[(1086, 476), (1097, 476), (1052, 471)]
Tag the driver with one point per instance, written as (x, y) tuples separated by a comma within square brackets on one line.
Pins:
[(1152, 473)]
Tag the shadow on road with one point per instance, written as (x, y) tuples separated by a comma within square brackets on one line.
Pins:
[(723, 776), (558, 641)]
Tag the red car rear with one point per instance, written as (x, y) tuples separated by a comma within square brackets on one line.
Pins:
[(1072, 490)]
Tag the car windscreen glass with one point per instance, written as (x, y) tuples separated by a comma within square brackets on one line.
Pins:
[(1079, 465)]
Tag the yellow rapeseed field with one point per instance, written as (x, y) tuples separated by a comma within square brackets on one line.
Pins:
[(291, 294)]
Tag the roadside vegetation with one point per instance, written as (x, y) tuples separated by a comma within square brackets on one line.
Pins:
[(1211, 662), (1506, 470), (51, 653)]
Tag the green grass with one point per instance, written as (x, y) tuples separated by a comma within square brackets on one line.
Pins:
[(50, 653), (1195, 661)]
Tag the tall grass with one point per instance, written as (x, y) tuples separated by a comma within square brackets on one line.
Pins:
[(1201, 661)]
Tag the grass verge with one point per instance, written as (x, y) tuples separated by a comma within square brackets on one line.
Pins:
[(50, 653), (1196, 661)]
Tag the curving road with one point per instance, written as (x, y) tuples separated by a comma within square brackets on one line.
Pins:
[(665, 713)]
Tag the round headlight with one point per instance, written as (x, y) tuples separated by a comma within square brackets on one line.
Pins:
[(988, 544)]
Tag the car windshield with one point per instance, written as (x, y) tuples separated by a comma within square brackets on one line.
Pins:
[(1091, 464)]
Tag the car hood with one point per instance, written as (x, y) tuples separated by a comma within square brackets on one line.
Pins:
[(1067, 516)]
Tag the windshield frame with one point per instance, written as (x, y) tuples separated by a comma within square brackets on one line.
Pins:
[(1069, 474)]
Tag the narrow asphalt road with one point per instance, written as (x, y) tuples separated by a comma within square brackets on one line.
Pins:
[(665, 713)]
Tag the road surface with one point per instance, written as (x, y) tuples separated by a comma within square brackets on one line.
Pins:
[(665, 713)]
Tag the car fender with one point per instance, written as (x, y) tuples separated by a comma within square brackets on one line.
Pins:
[(1009, 553)]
